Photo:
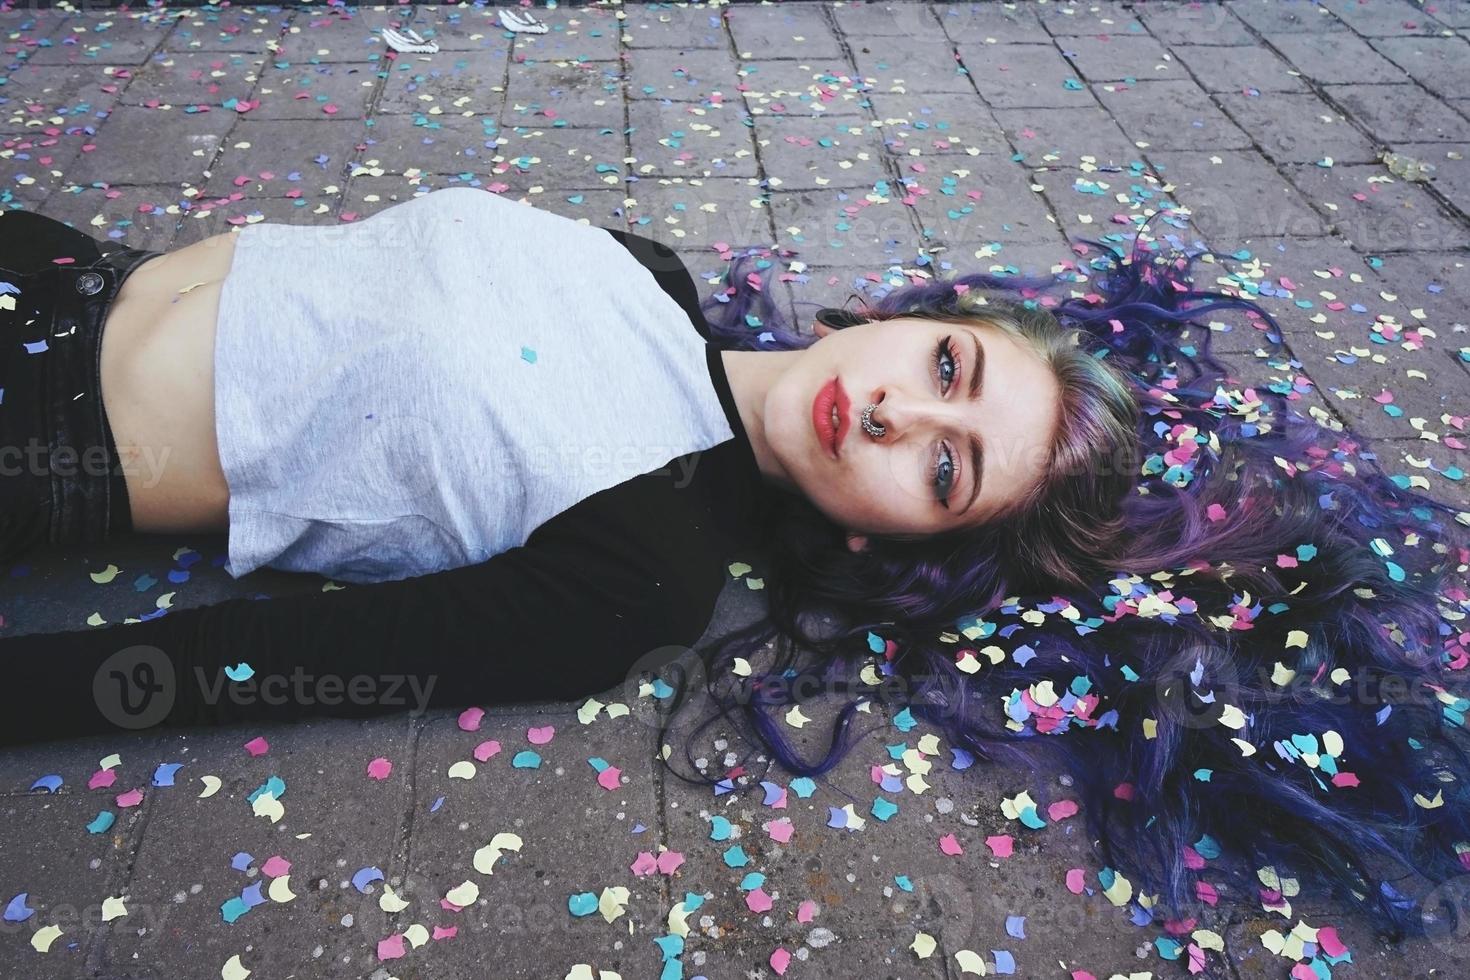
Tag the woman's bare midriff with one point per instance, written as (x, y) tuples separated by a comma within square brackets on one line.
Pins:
[(157, 368)]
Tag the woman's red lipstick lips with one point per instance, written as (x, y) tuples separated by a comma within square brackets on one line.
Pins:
[(831, 395)]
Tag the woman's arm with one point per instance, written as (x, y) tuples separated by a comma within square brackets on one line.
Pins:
[(563, 616)]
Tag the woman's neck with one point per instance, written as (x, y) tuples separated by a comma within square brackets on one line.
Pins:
[(751, 374)]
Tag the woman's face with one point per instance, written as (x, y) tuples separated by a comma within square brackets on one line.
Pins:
[(919, 373)]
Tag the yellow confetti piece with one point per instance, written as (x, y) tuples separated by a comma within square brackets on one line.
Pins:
[(740, 667), (923, 945), (486, 856), (916, 784), (1246, 748), (1012, 806), (211, 786), (1150, 728), (589, 710), (613, 902), (43, 937), (929, 744), (1232, 717), (970, 961), (233, 969), (795, 718), (678, 921), (416, 935), (463, 769), (389, 901), (96, 620), (1296, 638), (1430, 804), (110, 762), (280, 889), (1120, 891), (463, 895), (618, 710), (113, 908), (1208, 939), (266, 805), (1281, 675), (106, 575)]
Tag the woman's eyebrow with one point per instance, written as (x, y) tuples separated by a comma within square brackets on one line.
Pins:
[(977, 452)]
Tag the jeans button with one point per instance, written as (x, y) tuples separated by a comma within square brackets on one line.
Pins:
[(90, 283)]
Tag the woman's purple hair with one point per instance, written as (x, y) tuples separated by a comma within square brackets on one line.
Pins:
[(1269, 673)]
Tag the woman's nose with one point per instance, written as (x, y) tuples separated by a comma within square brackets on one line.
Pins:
[(892, 413)]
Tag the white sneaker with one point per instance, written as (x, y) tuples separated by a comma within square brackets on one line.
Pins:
[(409, 41), (521, 22)]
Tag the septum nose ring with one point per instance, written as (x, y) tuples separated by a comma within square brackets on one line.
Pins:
[(871, 427)]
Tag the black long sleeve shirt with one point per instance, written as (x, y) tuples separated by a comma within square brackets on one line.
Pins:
[(595, 591)]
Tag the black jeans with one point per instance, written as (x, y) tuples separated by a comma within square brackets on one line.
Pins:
[(60, 476)]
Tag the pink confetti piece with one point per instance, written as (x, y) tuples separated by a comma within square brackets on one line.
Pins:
[(806, 911), (379, 768), (442, 933), (541, 736), (780, 960), (669, 862), (1206, 893), (102, 779), (1076, 880), (469, 719), (258, 746), (1082, 975), (950, 845), (390, 948), (758, 901), (643, 864), (487, 750), (608, 778), (1330, 943), (131, 798), (780, 830), (1062, 809), (1001, 845), (275, 866)]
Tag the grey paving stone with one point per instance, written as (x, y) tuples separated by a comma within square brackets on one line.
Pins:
[(1115, 57), (1401, 112), (1436, 463), (687, 139), (186, 78), (1172, 115), (57, 92), (450, 83), (1016, 76), (330, 91), (1376, 18), (336, 34), (1083, 202), (683, 76), (1095, 18), (1454, 13), (569, 93), (1066, 137), (796, 31), (235, 30), (138, 146), (1376, 212), (1351, 388), (1329, 57), (591, 34), (991, 23), (690, 214), (989, 200), (1240, 196), (1434, 289), (845, 228), (903, 64), (927, 124), (454, 144), (34, 164), (900, 19), (95, 41), (141, 216), (27, 29), (318, 151), (462, 28), (825, 154), (1452, 170), (67, 872), (1440, 64), (668, 26), (1220, 69), (813, 87), (1188, 22), (363, 833), (1299, 128), (571, 158), (1273, 17)]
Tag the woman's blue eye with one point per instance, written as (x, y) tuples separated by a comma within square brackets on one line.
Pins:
[(941, 474), (945, 352)]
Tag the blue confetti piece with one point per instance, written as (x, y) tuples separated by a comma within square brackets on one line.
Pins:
[(50, 783), (436, 805), (241, 861), (251, 896), (883, 809), (597, 763), (582, 904), (240, 672), (903, 882), (669, 946), (1005, 963), (736, 857), (803, 786), (528, 355), (752, 881), (365, 877), (719, 828), (164, 774), (275, 786), (233, 909), (526, 759), (16, 911), (102, 823), (1016, 926)]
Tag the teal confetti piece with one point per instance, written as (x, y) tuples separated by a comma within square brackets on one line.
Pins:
[(803, 786), (582, 904), (526, 759), (528, 355), (883, 809), (736, 857), (719, 828), (102, 822), (752, 881)]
